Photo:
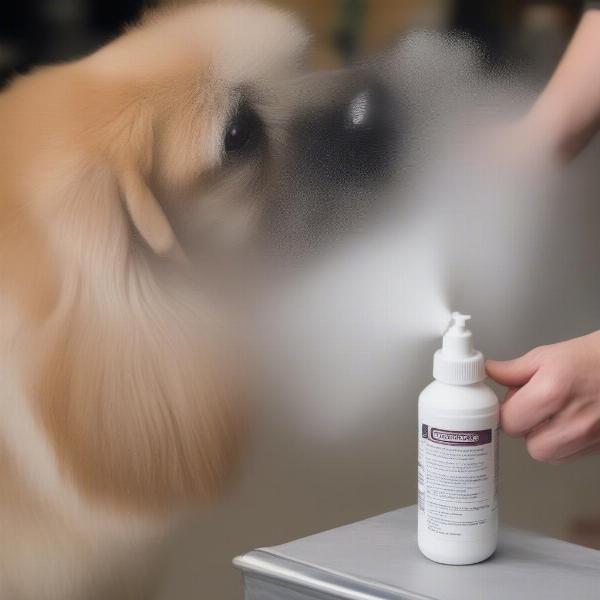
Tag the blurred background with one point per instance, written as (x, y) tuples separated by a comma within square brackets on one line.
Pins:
[(527, 33), (287, 489)]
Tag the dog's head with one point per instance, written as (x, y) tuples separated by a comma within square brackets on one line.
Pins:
[(131, 170), (216, 135)]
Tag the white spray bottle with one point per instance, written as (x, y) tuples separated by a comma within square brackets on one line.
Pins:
[(458, 455)]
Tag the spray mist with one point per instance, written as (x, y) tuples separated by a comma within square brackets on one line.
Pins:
[(458, 455)]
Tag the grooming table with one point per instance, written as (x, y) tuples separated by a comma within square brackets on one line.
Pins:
[(378, 559)]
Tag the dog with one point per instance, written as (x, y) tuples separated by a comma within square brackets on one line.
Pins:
[(131, 180)]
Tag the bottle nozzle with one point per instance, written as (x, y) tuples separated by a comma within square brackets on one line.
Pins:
[(459, 321), (457, 361)]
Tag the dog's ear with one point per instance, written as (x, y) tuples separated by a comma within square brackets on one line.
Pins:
[(147, 215), (132, 164)]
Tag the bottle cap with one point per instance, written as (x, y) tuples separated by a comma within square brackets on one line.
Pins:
[(457, 362)]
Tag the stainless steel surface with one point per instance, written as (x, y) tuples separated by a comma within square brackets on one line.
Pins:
[(378, 559)]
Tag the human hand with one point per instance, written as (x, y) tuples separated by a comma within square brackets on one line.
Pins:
[(553, 398)]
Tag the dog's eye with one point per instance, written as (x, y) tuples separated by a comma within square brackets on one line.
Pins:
[(243, 130)]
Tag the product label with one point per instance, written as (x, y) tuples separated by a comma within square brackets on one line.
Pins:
[(457, 480)]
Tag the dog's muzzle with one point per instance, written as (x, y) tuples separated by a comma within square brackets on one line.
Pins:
[(343, 143)]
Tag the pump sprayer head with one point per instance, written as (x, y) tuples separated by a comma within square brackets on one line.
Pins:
[(457, 362), (460, 320)]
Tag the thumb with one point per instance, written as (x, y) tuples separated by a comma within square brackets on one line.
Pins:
[(513, 373)]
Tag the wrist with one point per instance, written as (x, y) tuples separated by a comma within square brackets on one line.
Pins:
[(552, 135)]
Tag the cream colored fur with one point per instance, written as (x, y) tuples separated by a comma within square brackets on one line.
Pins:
[(117, 404)]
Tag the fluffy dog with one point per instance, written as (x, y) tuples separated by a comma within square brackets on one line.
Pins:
[(128, 180)]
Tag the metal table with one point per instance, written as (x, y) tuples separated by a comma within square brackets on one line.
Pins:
[(378, 559)]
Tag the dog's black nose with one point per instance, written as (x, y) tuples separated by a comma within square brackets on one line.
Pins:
[(341, 149), (349, 140)]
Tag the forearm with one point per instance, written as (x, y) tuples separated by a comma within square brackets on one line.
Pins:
[(568, 110)]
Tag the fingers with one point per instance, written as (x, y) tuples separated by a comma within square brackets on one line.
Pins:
[(553, 398), (534, 403), (514, 373), (573, 432)]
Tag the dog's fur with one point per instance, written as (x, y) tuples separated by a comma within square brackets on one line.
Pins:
[(118, 405)]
